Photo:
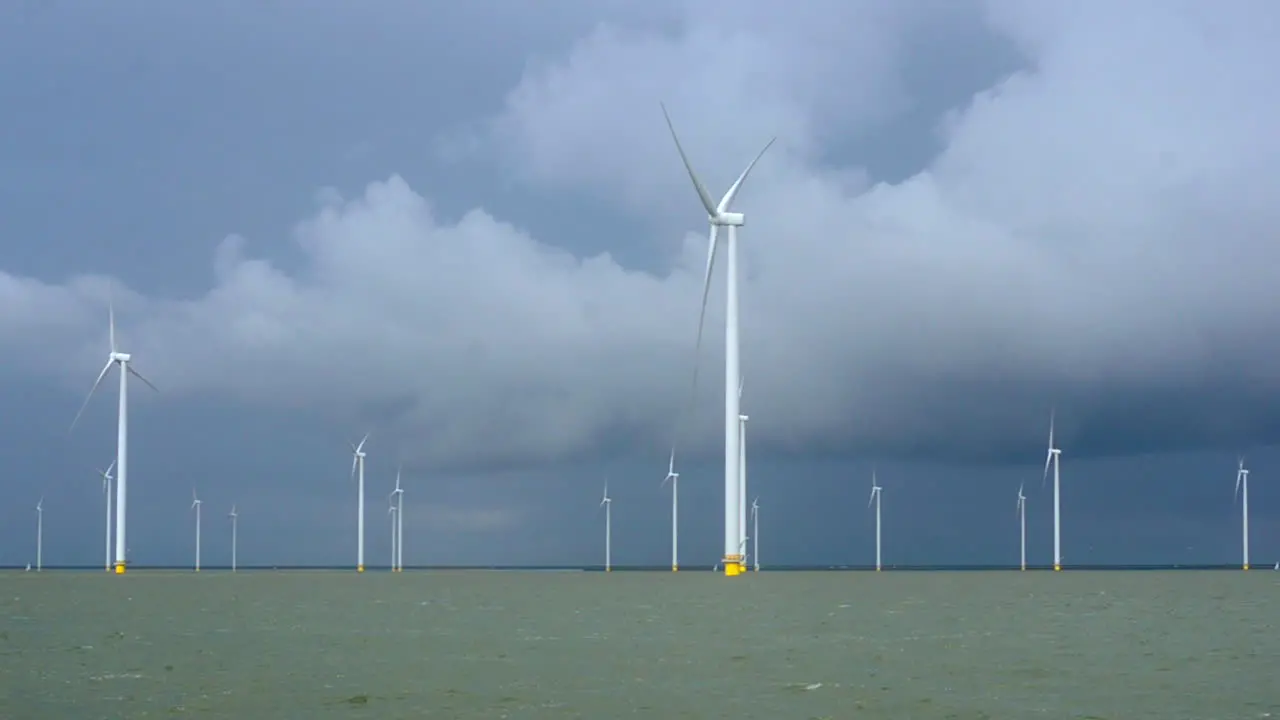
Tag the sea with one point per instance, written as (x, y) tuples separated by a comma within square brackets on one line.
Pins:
[(562, 643)]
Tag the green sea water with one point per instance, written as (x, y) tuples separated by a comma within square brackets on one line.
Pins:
[(474, 644)]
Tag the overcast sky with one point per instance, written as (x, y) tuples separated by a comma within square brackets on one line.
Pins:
[(465, 228)]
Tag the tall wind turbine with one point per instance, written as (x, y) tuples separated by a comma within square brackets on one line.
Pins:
[(115, 357), (606, 502), (719, 215), (674, 478), (195, 505), (357, 465), (1022, 525), (1242, 490), (755, 533), (40, 533), (235, 518), (106, 492), (875, 498), (1053, 458), (742, 476), (397, 495)]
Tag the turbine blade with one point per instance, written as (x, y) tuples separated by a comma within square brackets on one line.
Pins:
[(1052, 413), (111, 467), (737, 184), (1239, 476), (362, 442), (872, 498), (111, 324), (741, 379), (1048, 458), (354, 460), (89, 397), (138, 375), (702, 312), (703, 195)]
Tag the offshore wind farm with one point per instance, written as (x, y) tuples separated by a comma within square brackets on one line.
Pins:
[(421, 340)]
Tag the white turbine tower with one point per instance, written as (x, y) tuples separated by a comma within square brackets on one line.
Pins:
[(875, 498), (40, 534), (397, 496), (1054, 458), (195, 505), (106, 492), (606, 502), (719, 215), (115, 357), (742, 476), (1022, 526), (674, 478), (391, 513), (755, 533), (1242, 491), (357, 466), (235, 522)]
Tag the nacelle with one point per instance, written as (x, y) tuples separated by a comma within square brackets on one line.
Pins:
[(726, 219)]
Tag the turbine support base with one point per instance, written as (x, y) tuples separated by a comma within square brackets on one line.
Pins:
[(733, 566), (359, 568), (1246, 566), (1057, 568), (120, 568), (675, 568)]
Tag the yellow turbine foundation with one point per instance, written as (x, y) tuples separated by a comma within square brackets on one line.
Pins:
[(1057, 568), (1246, 567), (675, 568), (359, 568), (733, 566), (119, 568)]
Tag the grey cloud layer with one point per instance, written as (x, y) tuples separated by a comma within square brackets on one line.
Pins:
[(1100, 219)]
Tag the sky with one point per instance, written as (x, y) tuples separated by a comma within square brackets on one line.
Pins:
[(464, 228)]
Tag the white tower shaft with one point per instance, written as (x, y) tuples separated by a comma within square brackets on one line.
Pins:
[(400, 532), (1057, 513), (39, 539), (360, 514), (1022, 529), (742, 482), (122, 468), (732, 517), (197, 537), (755, 536), (107, 559), (1244, 530), (877, 531), (608, 537), (234, 522), (675, 523)]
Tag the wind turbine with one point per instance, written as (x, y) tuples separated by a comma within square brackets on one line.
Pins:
[(1022, 525), (40, 533), (719, 215), (674, 478), (755, 533), (357, 463), (875, 498), (397, 564), (235, 518), (106, 492), (195, 505), (391, 513), (115, 357), (742, 477), (1242, 490), (1054, 458), (606, 502)]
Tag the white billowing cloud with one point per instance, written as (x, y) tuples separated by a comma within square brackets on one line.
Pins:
[(1104, 217)]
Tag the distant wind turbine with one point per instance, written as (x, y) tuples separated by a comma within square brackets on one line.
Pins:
[(195, 505), (235, 521), (1022, 525), (1054, 458), (398, 496), (755, 533), (606, 502), (357, 465), (875, 498), (40, 534), (115, 357), (106, 493), (1242, 491), (674, 478), (719, 215)]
